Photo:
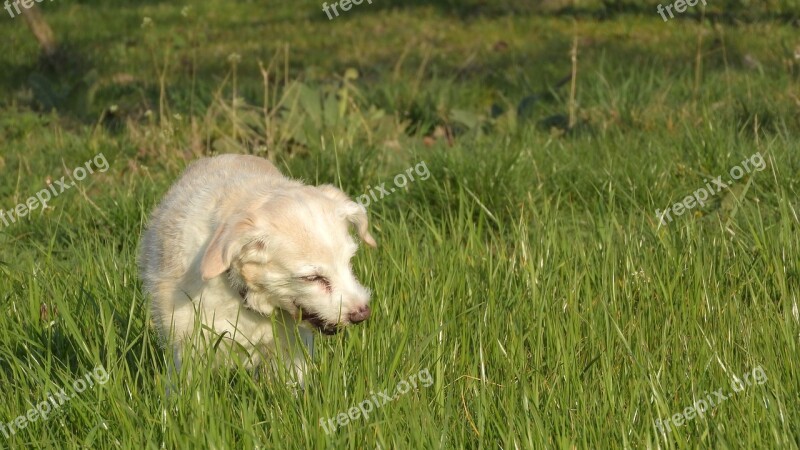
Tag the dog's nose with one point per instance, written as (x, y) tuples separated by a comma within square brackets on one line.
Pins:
[(359, 314)]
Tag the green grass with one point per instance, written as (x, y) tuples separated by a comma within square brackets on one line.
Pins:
[(528, 274)]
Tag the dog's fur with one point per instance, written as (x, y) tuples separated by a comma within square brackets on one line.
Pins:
[(240, 249)]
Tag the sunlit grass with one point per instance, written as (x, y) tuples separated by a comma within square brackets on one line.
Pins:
[(528, 275)]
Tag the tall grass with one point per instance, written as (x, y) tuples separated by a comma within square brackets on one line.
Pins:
[(529, 274)]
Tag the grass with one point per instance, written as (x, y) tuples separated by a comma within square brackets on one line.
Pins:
[(529, 274)]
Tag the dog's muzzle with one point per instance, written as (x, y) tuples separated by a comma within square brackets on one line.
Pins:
[(321, 325), (356, 316), (359, 315)]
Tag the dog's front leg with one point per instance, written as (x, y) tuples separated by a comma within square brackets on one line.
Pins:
[(304, 354), (294, 346), (173, 372)]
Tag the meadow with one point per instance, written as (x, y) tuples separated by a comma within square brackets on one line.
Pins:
[(527, 286)]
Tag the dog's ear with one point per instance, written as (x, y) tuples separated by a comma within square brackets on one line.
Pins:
[(350, 211), (357, 215), (333, 193), (224, 245)]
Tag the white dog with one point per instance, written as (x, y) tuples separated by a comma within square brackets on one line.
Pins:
[(237, 248)]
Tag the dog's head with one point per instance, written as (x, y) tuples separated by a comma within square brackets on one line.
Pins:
[(293, 252)]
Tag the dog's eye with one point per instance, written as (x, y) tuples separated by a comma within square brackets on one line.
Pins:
[(318, 279)]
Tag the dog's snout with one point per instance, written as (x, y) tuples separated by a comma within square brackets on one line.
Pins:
[(359, 314)]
